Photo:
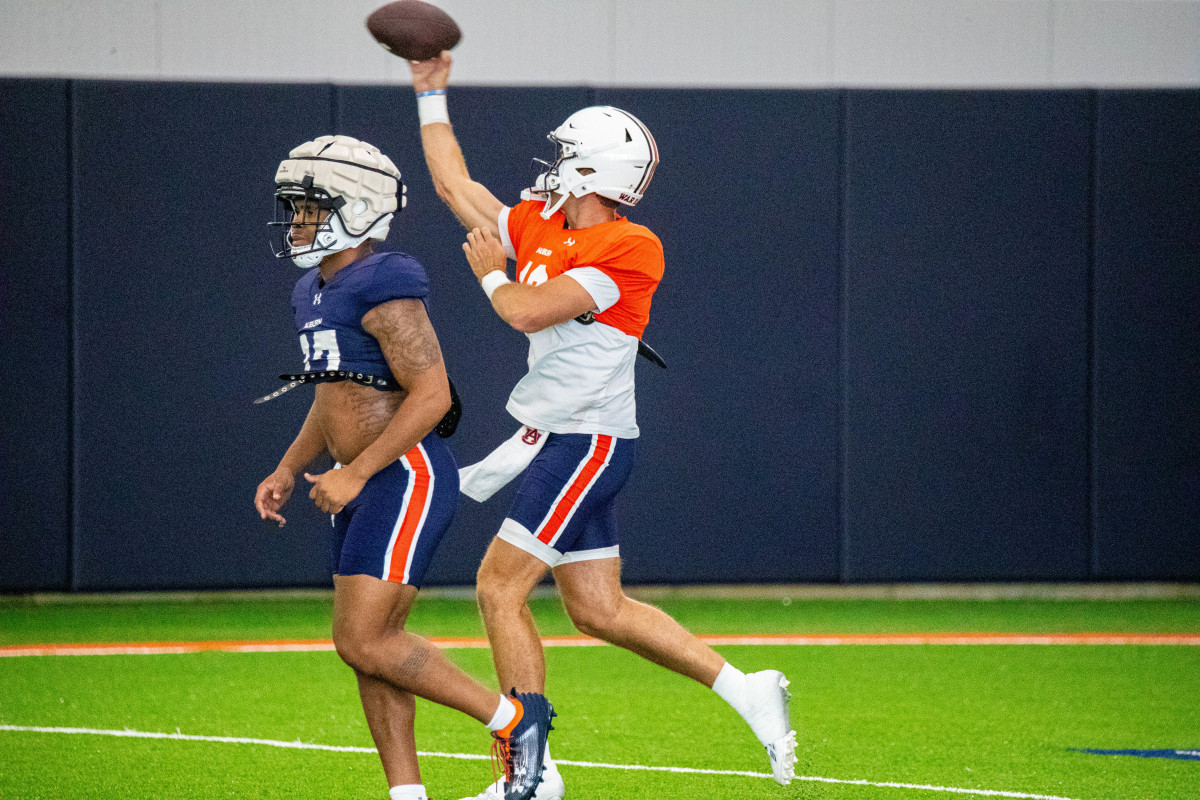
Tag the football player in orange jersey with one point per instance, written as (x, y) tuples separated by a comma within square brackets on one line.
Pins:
[(584, 279)]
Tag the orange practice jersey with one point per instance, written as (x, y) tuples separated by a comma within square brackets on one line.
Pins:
[(627, 253)]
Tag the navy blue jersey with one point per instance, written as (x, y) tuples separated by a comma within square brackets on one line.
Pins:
[(329, 314)]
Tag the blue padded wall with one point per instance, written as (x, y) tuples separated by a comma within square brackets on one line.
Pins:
[(500, 131), (966, 278), (35, 318), (180, 310), (737, 474), (911, 335), (1147, 335)]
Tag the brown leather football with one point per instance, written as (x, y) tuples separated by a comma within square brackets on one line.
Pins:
[(413, 29)]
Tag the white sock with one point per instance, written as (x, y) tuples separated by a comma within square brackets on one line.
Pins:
[(546, 757), (730, 685), (504, 714), (409, 791)]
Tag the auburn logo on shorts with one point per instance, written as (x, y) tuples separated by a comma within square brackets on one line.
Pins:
[(531, 436)]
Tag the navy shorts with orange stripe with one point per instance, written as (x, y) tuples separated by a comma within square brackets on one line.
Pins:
[(392, 528), (566, 507)]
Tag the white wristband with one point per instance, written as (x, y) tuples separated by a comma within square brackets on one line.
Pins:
[(431, 108), (492, 280)]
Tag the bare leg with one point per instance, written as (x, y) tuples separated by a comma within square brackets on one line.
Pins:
[(592, 594), (392, 665), (505, 579), (390, 714)]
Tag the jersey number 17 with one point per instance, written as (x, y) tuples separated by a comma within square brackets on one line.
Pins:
[(323, 346)]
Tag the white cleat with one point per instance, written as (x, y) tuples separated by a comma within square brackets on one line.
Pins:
[(769, 719), (551, 788), (783, 758)]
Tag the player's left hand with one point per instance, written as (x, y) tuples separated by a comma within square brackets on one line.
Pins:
[(332, 490), (484, 252)]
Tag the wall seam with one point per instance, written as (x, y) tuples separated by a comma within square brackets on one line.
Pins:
[(73, 559), (843, 485), (1093, 511)]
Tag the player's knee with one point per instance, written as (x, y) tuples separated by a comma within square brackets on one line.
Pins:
[(494, 593), (599, 617), (347, 647), (355, 649), (490, 596)]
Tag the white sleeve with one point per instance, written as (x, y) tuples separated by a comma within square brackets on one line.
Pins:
[(603, 289), (502, 221)]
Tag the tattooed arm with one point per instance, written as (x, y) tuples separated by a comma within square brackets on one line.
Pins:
[(410, 345)]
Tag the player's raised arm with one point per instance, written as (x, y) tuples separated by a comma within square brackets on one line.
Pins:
[(471, 202)]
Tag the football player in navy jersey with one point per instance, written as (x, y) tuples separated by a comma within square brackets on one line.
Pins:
[(381, 400)]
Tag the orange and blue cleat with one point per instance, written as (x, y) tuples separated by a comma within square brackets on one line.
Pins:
[(521, 746)]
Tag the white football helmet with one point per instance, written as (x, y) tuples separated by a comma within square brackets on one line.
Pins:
[(357, 185), (614, 144)]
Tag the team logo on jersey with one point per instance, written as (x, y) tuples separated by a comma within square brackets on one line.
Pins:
[(542, 251), (586, 319), (531, 436), (317, 299), (569, 241), (314, 323)]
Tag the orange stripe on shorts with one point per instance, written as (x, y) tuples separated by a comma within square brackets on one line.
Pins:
[(563, 509), (412, 514)]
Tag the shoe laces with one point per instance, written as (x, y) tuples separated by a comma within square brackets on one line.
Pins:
[(502, 760)]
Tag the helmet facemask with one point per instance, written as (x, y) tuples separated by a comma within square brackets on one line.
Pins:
[(324, 232), (559, 180)]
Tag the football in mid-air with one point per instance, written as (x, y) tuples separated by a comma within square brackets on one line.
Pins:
[(413, 29)]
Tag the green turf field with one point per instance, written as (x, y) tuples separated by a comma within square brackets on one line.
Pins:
[(1003, 719)]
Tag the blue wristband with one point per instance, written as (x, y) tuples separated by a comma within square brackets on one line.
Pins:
[(431, 93)]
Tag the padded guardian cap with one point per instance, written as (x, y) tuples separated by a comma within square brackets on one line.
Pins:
[(357, 188)]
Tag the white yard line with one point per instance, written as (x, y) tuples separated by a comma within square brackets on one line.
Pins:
[(298, 745)]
